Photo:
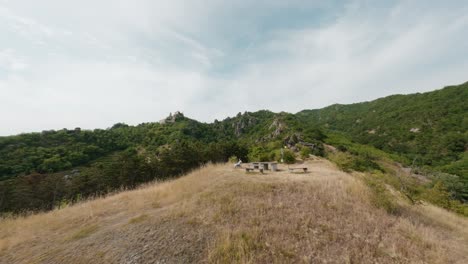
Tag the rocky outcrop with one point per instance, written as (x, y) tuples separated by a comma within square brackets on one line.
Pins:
[(292, 140), (172, 118), (245, 121), (277, 126)]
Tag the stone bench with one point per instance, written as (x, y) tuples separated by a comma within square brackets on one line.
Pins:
[(253, 169), (298, 168)]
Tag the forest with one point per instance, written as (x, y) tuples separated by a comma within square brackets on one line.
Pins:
[(429, 129), (427, 132)]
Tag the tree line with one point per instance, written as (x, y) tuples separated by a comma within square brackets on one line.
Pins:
[(121, 170)]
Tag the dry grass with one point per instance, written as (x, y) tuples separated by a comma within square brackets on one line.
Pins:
[(221, 215), (84, 232), (138, 219)]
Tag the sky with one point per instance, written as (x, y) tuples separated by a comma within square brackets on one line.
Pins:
[(91, 64)]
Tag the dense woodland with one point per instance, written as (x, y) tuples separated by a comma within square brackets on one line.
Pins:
[(429, 129), (428, 132)]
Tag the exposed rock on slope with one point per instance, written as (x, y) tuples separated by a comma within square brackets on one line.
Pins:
[(172, 118), (245, 121)]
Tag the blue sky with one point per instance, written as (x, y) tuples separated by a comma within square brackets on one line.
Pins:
[(90, 64)]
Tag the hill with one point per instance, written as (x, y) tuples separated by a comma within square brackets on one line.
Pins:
[(427, 132), (217, 214), (429, 129)]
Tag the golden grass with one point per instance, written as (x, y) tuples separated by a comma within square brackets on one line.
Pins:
[(84, 232), (220, 215), (138, 219), (64, 223)]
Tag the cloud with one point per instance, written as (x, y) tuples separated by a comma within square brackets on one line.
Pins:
[(361, 56), (95, 63), (10, 61)]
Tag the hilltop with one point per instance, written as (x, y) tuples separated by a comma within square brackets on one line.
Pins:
[(217, 214)]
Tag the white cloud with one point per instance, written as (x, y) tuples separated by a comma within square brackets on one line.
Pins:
[(11, 61), (359, 57), (94, 63)]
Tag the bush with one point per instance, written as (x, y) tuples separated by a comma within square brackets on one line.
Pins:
[(355, 162), (342, 160), (274, 155), (289, 157), (233, 159), (438, 195), (381, 197), (305, 152), (362, 164), (342, 148), (459, 207), (259, 154), (319, 150)]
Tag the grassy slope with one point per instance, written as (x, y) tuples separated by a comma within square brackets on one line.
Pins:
[(221, 215)]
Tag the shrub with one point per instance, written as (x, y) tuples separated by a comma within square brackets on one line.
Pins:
[(362, 164), (381, 197), (259, 154), (438, 195), (355, 162), (274, 155), (289, 157), (305, 152), (459, 207), (319, 150), (233, 159), (342, 160), (342, 148)]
